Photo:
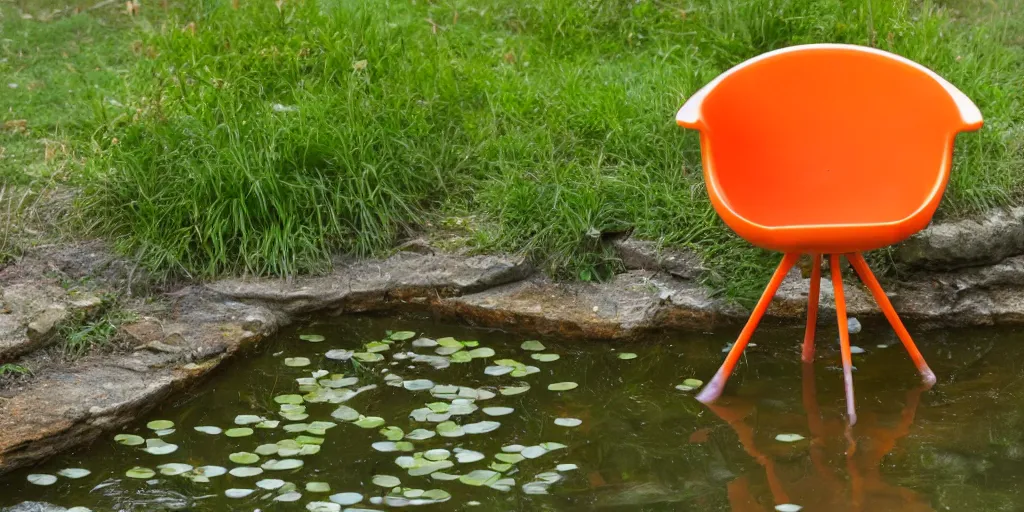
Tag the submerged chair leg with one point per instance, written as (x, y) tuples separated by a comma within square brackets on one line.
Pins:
[(861, 266), (844, 336), (812, 309), (714, 388)]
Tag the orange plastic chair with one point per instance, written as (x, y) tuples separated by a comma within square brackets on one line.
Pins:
[(826, 149)]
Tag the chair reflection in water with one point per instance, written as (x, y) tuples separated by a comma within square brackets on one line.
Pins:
[(823, 486), (826, 150)]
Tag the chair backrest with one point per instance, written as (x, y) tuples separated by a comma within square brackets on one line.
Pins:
[(821, 135)]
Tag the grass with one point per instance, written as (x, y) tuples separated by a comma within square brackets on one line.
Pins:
[(13, 369), (264, 140), (92, 329)]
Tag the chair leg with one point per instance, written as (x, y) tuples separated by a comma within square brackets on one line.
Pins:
[(861, 266), (812, 309), (714, 388), (844, 336)]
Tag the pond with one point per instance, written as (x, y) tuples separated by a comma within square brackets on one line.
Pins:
[(500, 421)]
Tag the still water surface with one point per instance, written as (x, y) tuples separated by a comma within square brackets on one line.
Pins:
[(641, 444)]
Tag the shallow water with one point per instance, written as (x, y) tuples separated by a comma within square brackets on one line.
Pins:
[(642, 444)]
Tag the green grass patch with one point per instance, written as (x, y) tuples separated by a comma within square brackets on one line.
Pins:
[(265, 140), (92, 329)]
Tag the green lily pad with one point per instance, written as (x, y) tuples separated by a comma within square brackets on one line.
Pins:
[(449, 343), (467, 456), (402, 335), (289, 497), (386, 481), (480, 477), (303, 440), (500, 467), (533, 345), (562, 386), (369, 421), (296, 362), (209, 430), (266, 449), (210, 471), (481, 353), (238, 432), (627, 355), (345, 413), (288, 399), (568, 422), (420, 434), (460, 357), (498, 411), (243, 458), (523, 371), (42, 479), (368, 357), (566, 467), (522, 387), (248, 419), (282, 465), (447, 351), (245, 472), (174, 469), (268, 424), (377, 346), (74, 473), (449, 429), (392, 433), (159, 424), (418, 384), (509, 458), (480, 427), (788, 507), (159, 447), (690, 385), (313, 338), (296, 427), (545, 358), (346, 498), (129, 439), (140, 473), (318, 487), (238, 493), (789, 438), (497, 371), (270, 484)]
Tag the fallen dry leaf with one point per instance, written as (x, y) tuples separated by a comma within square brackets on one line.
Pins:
[(359, 65), (16, 125)]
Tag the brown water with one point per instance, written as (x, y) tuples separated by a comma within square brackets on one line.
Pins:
[(642, 444)]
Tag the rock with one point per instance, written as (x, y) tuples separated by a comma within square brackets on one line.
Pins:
[(966, 243), (87, 304), (143, 332), (853, 325), (44, 325), (648, 255), (34, 506)]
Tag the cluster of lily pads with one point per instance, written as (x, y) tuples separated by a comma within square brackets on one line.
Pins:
[(445, 414)]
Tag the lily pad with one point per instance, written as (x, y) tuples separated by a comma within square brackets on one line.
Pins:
[(513, 448), (509, 458), (789, 438), (545, 358), (245, 472), (460, 357), (437, 454), (129, 439), (481, 427), (392, 433), (248, 419), (521, 387), (243, 458), (566, 467), (74, 473), (346, 498), (288, 399), (788, 507), (318, 487), (420, 434), (523, 371), (323, 506), (296, 362), (268, 424), (289, 497), (140, 473), (467, 456), (270, 484), (449, 429), (498, 411), (159, 447), (481, 353), (42, 479), (369, 421), (160, 424), (627, 355), (402, 335), (449, 342), (368, 357), (480, 477), (174, 469), (500, 467), (339, 354), (424, 343), (562, 386), (210, 471), (238, 493), (690, 385), (496, 371), (345, 413), (418, 384), (387, 481), (312, 338), (282, 465), (568, 422), (532, 345), (238, 432), (209, 430), (377, 346)]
